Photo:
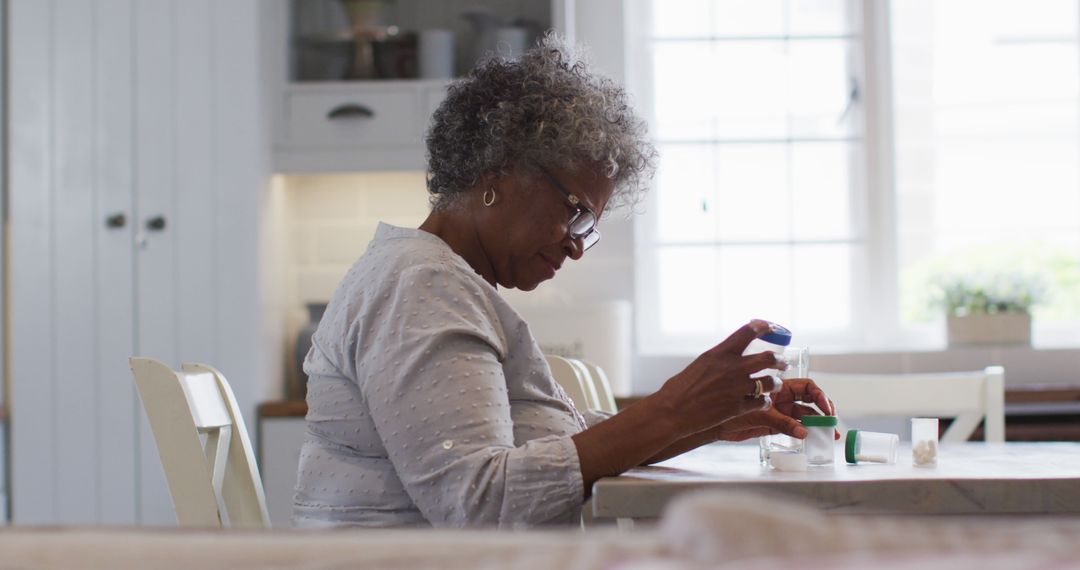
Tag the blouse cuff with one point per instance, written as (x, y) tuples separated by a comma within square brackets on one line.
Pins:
[(554, 491)]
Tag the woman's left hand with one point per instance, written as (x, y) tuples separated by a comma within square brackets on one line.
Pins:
[(789, 404)]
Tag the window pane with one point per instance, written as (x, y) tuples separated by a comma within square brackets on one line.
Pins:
[(757, 143), (728, 90), (1026, 186), (819, 88), (750, 99), (752, 182), (988, 160), (684, 96), (821, 191), (682, 18), (685, 201), (688, 295), (754, 282), (822, 288), (819, 17), (748, 17)]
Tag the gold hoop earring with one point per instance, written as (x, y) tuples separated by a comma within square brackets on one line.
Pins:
[(489, 201)]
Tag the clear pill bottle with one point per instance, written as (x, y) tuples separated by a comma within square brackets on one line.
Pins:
[(819, 446), (776, 340), (924, 442), (870, 447)]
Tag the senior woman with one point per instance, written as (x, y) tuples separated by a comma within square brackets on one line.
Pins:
[(430, 403)]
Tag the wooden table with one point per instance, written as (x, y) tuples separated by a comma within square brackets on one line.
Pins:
[(971, 478)]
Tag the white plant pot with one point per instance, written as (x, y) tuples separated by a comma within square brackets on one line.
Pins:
[(982, 329)]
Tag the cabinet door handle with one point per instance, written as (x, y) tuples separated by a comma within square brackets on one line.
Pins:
[(116, 221), (350, 111), (156, 224)]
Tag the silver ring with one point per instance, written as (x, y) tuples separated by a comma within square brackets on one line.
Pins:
[(758, 388)]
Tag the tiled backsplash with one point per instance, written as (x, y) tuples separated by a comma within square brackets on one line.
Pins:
[(329, 220)]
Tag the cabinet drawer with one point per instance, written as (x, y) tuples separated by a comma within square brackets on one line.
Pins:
[(351, 119)]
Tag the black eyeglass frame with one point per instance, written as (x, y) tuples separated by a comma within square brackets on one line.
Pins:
[(590, 236)]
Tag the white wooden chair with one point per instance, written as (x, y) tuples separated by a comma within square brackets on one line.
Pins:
[(967, 396), (605, 398), (213, 486), (572, 377)]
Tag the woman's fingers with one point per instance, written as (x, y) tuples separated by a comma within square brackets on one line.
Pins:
[(745, 434), (782, 423), (800, 410), (755, 404), (805, 390), (763, 360), (760, 385), (737, 342)]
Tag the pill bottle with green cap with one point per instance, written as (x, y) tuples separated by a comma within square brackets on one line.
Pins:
[(819, 444), (870, 447)]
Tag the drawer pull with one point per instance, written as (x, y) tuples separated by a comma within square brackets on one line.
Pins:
[(350, 111)]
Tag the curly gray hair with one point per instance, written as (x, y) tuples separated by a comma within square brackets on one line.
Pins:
[(546, 107)]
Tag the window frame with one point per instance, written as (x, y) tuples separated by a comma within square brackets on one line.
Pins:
[(874, 266)]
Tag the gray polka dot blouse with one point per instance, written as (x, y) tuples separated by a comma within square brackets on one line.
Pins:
[(430, 403)]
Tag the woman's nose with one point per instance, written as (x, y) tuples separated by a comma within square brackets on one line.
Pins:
[(575, 247)]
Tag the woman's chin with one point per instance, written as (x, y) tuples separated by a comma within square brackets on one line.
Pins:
[(529, 286)]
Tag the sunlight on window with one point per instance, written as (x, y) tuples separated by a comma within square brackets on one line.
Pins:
[(986, 141), (753, 210)]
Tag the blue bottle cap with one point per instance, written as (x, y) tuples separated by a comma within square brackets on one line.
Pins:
[(778, 335)]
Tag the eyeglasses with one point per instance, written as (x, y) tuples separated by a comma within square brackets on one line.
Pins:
[(583, 221)]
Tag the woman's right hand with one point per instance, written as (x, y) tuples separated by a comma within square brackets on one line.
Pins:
[(716, 386)]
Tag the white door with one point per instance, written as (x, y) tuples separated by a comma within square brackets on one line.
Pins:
[(135, 203), (70, 303)]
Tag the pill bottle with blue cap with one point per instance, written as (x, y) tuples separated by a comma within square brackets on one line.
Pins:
[(776, 340)]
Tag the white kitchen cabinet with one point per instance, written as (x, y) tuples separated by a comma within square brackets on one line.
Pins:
[(279, 455), (343, 127), (138, 175), (379, 124)]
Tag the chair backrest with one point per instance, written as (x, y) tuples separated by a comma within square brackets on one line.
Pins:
[(588, 382), (969, 397), (212, 485), (605, 398), (574, 383)]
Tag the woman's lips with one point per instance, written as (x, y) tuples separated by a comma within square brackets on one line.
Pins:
[(551, 265)]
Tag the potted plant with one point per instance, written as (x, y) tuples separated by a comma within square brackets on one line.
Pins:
[(989, 308)]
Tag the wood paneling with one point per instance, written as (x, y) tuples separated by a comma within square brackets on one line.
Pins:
[(143, 108), (33, 367), (114, 153), (74, 253)]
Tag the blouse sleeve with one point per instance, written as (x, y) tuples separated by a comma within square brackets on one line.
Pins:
[(593, 417), (438, 397)]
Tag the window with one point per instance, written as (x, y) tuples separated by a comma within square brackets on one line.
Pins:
[(799, 185), (987, 148), (756, 210)]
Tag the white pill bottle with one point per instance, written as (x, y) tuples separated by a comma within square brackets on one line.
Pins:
[(819, 446)]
